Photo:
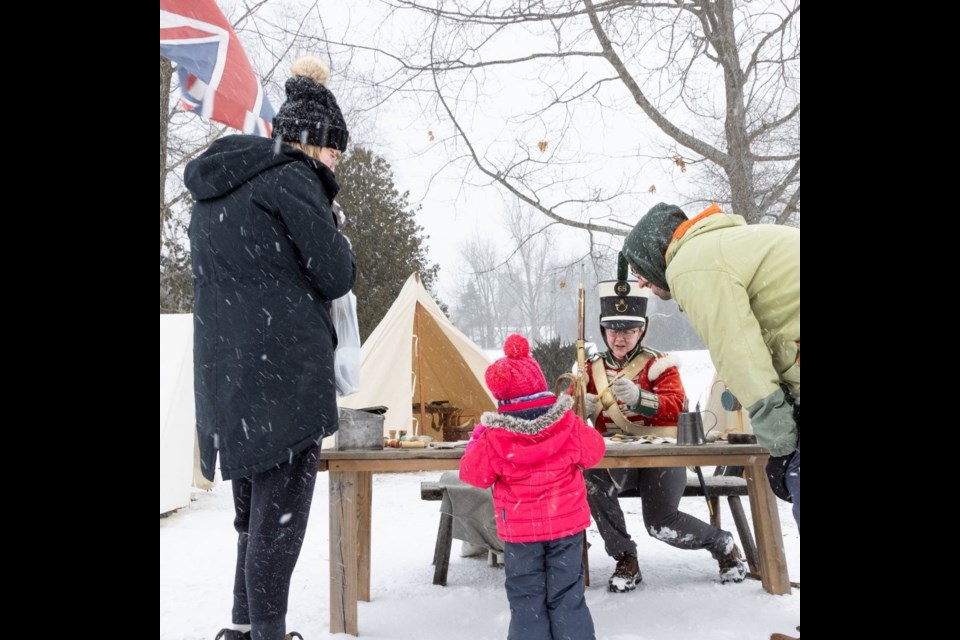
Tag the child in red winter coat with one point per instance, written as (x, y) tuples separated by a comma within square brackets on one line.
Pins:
[(533, 451)]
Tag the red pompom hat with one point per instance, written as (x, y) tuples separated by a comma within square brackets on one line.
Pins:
[(516, 380)]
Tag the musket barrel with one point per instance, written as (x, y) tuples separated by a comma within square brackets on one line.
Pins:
[(580, 387)]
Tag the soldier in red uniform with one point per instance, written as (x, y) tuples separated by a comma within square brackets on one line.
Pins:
[(639, 390)]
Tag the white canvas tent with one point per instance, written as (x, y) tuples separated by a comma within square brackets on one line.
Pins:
[(179, 450), (416, 355), (719, 419), (176, 410)]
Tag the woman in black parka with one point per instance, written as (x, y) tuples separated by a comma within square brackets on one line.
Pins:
[(268, 259)]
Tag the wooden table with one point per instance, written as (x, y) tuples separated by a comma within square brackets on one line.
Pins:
[(351, 493)]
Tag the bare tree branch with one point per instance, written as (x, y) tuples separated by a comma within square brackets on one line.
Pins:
[(655, 116), (501, 180), (791, 209), (774, 124), (755, 56), (778, 190)]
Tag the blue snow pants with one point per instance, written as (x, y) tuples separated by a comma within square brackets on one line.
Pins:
[(545, 588)]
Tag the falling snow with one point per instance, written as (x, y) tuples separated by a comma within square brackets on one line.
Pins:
[(680, 598)]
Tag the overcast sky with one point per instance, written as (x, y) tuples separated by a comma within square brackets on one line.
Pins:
[(455, 209), (459, 205)]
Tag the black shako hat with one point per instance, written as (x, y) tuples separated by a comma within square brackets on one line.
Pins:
[(623, 305)]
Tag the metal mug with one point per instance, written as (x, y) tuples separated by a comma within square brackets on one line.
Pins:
[(690, 428)]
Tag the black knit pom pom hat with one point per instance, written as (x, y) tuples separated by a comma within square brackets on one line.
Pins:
[(310, 114)]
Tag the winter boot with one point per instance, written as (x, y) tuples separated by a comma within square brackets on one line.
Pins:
[(233, 634), (627, 575), (732, 568)]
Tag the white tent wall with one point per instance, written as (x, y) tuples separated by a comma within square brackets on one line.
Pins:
[(450, 367), (177, 420), (719, 419)]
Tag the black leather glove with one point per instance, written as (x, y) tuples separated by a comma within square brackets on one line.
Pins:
[(777, 475)]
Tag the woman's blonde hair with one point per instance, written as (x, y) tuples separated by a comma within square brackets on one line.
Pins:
[(311, 150)]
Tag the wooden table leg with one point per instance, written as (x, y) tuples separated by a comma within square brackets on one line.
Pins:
[(766, 526), (363, 539), (345, 513)]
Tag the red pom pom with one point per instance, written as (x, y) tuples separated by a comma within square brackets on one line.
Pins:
[(516, 346), (499, 379)]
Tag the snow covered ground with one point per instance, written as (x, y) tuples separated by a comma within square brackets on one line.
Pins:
[(681, 596)]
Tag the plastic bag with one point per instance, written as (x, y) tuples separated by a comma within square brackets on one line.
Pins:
[(346, 364)]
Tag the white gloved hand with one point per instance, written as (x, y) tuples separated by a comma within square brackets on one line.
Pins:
[(626, 392), (589, 404)]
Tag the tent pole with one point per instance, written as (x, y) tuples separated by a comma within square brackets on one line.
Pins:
[(423, 407)]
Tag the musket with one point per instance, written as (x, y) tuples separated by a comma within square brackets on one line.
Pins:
[(579, 380), (697, 469), (580, 391)]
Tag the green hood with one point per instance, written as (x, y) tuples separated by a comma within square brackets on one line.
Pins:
[(646, 244)]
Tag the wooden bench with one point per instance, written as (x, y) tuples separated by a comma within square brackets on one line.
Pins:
[(731, 487)]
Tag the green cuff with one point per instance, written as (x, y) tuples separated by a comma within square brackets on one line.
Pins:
[(772, 420), (649, 404)]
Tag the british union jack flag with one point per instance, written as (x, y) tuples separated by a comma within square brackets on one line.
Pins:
[(216, 79)]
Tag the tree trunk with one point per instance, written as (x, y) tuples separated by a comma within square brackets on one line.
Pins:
[(739, 167), (166, 73)]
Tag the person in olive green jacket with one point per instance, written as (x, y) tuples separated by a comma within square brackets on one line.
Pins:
[(739, 285)]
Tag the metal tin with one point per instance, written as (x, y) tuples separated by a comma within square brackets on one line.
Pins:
[(359, 430)]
